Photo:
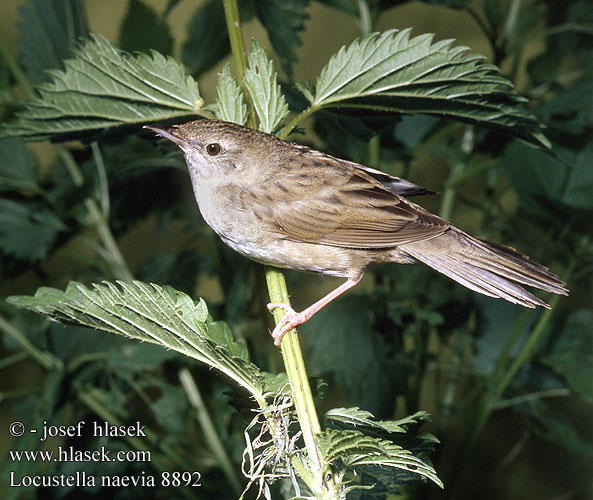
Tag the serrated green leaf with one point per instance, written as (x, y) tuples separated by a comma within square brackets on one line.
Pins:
[(571, 110), (276, 383), (179, 271), (391, 72), (411, 130), (572, 353), (283, 21), (18, 166), (150, 313), (559, 429), (104, 87), (230, 105), (71, 343), (170, 410), (49, 29), (135, 356), (355, 417), (207, 41), (355, 449), (542, 181), (143, 29), (27, 229), (497, 321), (262, 84), (352, 352)]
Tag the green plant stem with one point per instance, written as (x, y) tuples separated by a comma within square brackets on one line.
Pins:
[(12, 358), (302, 396), (233, 23), (512, 337), (450, 192), (116, 261), (452, 384), (374, 152), (291, 349), (102, 178), (366, 23), (534, 396), (528, 349), (209, 430), (98, 217), (466, 147), (510, 24), (295, 369), (70, 165)]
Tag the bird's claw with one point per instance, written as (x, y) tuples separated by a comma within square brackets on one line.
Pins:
[(290, 320)]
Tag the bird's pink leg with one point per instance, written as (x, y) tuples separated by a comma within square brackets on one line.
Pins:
[(291, 318)]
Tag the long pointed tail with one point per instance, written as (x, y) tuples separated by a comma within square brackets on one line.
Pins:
[(485, 267)]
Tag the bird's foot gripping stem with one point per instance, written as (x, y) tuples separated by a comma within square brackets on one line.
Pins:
[(290, 320)]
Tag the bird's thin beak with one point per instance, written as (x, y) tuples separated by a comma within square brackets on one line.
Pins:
[(167, 133)]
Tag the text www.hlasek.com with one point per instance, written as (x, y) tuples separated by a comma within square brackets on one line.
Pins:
[(85, 478), (69, 454)]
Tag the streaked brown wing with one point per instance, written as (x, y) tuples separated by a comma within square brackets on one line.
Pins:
[(394, 184), (344, 207)]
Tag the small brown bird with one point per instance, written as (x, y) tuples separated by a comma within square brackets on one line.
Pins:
[(287, 205)]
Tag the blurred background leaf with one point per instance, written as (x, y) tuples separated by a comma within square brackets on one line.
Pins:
[(407, 340), (49, 30)]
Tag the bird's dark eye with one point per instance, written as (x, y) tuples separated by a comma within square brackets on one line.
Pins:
[(213, 149)]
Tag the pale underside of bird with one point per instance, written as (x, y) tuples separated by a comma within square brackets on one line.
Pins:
[(290, 206)]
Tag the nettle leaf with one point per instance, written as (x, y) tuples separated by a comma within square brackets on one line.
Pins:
[(572, 354), (262, 84), (134, 356), (391, 72), (542, 181), (207, 41), (351, 352), (283, 21), (49, 29), (18, 166), (170, 410), (27, 229), (355, 417), (561, 430), (570, 111), (162, 316), (357, 450), (230, 105), (144, 29), (104, 87)]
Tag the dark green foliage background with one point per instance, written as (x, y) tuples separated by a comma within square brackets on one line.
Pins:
[(407, 339)]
